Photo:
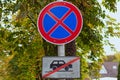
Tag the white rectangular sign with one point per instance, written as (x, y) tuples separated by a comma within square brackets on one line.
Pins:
[(61, 67)]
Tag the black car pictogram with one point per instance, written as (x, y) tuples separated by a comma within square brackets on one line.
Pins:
[(57, 63)]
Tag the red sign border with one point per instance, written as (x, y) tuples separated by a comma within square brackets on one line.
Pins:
[(65, 40)]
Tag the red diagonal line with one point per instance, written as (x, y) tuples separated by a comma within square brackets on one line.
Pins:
[(66, 15), (67, 28), (53, 28), (53, 16), (56, 25), (59, 22), (59, 68)]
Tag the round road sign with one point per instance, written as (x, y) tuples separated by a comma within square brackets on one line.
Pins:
[(60, 22)]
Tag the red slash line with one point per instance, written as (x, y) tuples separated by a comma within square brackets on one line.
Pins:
[(59, 68)]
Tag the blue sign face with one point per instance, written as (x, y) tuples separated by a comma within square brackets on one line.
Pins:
[(69, 21), (60, 22)]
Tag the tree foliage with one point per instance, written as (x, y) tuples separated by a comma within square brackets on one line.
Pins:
[(21, 46)]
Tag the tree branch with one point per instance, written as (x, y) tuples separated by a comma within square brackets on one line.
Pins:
[(31, 20)]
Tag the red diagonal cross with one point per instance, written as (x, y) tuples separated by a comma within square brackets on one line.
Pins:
[(59, 22)]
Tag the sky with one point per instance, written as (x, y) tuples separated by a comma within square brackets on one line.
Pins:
[(115, 41)]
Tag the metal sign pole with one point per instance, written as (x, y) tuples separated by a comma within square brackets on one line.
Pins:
[(59, 0), (61, 52), (61, 49)]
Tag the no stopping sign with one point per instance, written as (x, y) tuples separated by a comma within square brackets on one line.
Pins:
[(60, 22)]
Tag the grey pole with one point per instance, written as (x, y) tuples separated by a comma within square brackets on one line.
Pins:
[(61, 52), (59, 0), (61, 49)]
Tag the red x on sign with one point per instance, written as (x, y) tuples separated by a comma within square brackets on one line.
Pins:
[(60, 22)]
